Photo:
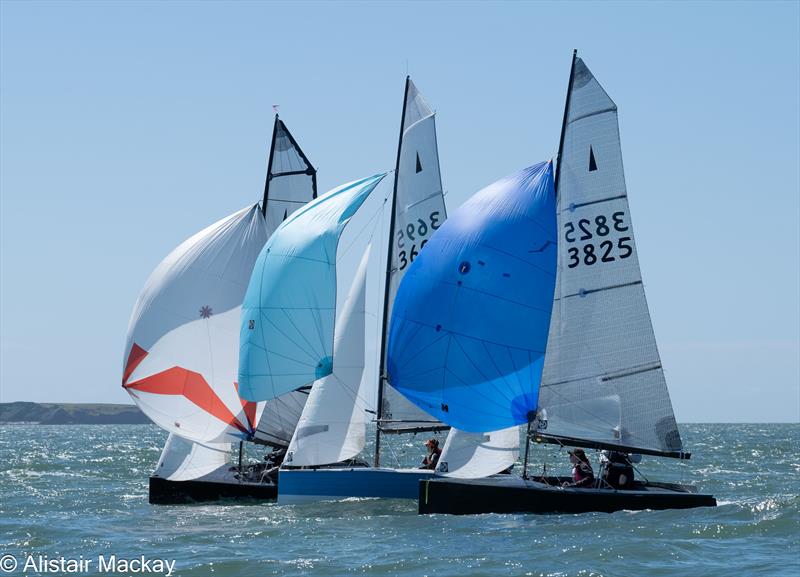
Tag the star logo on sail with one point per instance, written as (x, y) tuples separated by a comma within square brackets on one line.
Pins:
[(206, 312)]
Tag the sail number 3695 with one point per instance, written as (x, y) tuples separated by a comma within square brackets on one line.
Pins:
[(597, 228), (415, 233)]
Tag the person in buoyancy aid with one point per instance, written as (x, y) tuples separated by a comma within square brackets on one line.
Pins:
[(432, 458), (617, 469), (582, 473)]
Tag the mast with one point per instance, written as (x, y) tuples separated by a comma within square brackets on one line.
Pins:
[(532, 414), (564, 121), (269, 168), (381, 372)]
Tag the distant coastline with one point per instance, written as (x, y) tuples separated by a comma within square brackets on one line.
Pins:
[(70, 414)]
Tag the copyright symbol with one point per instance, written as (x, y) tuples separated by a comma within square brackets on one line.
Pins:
[(8, 563)]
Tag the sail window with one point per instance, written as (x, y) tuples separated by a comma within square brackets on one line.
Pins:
[(592, 162), (419, 164)]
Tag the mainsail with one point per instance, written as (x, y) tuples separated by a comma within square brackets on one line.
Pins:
[(286, 336), (603, 381), (417, 211), (469, 325), (291, 180), (333, 425)]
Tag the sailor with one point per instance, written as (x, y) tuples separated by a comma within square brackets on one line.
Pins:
[(432, 458), (582, 473), (617, 469)]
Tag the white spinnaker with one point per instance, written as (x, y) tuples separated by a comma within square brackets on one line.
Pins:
[(419, 211), (332, 427), (182, 345), (183, 460), (601, 347), (477, 455)]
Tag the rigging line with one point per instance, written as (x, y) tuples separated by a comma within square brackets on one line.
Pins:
[(366, 227)]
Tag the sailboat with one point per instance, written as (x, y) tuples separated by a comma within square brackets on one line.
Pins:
[(333, 426), (294, 335), (586, 370), (182, 345)]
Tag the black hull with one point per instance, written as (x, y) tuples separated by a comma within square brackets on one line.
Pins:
[(165, 492), (513, 495)]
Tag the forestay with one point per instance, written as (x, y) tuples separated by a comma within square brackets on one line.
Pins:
[(470, 320), (333, 424), (477, 455), (603, 379), (419, 210), (286, 337), (183, 460), (181, 350)]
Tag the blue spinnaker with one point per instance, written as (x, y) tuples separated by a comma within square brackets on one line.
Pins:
[(470, 321), (286, 338)]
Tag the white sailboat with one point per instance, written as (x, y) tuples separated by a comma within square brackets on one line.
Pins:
[(602, 385), (182, 344)]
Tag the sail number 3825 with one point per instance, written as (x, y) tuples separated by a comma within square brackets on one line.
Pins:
[(606, 250), (414, 235)]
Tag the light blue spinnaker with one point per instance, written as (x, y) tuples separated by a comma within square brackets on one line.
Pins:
[(286, 338), (469, 324)]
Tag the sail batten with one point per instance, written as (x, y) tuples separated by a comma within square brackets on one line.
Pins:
[(603, 381)]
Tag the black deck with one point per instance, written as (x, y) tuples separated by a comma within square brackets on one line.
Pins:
[(165, 492), (507, 494)]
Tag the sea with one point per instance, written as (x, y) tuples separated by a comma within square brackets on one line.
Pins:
[(80, 493)]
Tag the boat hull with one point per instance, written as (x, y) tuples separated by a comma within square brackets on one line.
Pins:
[(308, 485), (166, 492), (504, 494)]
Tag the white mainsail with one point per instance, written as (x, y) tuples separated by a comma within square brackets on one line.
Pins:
[(602, 379), (419, 210), (477, 455), (333, 424)]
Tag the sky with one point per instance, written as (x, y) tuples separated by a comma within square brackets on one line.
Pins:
[(126, 127)]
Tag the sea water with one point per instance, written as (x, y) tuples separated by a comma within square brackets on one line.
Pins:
[(80, 493)]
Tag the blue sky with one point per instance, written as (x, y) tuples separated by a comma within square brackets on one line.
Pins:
[(128, 126)]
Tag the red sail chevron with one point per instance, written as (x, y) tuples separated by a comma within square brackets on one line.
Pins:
[(179, 381), (249, 409)]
